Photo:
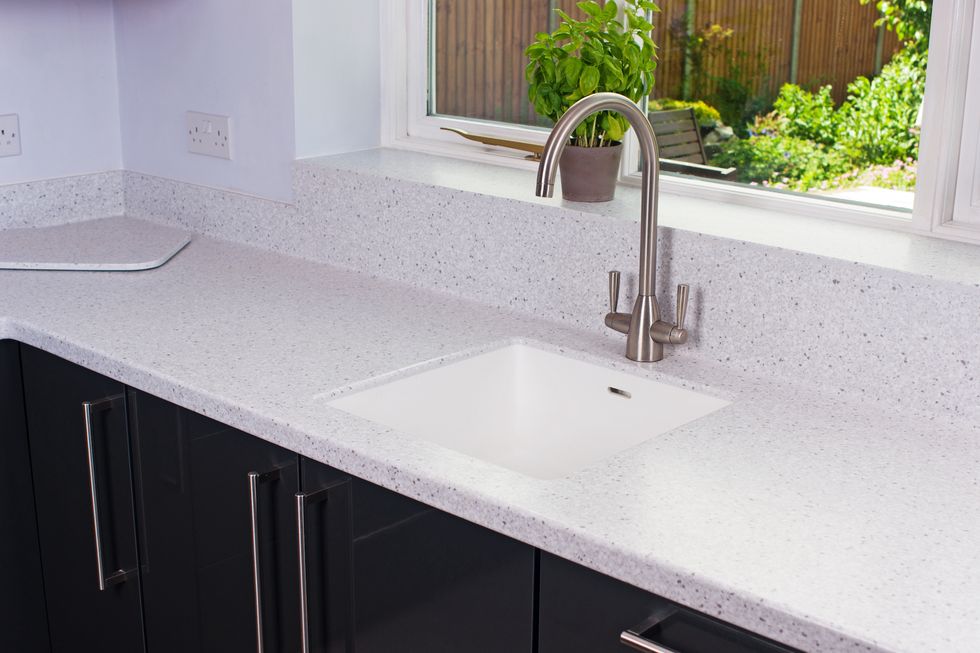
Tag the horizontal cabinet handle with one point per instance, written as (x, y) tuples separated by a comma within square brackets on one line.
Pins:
[(639, 637)]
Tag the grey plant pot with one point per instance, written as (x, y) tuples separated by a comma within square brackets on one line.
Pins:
[(589, 174)]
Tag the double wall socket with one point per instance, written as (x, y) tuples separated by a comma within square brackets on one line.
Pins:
[(209, 134), (9, 135)]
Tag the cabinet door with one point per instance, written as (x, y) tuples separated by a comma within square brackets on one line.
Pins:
[(23, 621), (83, 493), (583, 611), (197, 533), (422, 580)]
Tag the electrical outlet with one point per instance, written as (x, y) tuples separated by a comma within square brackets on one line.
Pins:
[(9, 135), (209, 134)]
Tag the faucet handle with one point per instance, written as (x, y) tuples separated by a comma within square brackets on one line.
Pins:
[(683, 293), (613, 290)]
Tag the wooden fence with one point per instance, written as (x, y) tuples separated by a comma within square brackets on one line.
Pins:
[(479, 61)]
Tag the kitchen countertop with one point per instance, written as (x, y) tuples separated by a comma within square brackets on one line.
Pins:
[(827, 525)]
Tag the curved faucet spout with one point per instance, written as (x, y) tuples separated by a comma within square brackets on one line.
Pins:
[(559, 138), (646, 333)]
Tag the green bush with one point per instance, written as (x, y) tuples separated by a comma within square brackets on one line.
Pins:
[(877, 124), (707, 115), (782, 161), (810, 116), (807, 143), (899, 175)]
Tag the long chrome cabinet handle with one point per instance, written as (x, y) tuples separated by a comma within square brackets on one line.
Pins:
[(89, 409), (255, 479), (303, 501)]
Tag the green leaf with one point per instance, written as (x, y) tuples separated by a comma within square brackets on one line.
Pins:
[(591, 8), (613, 127), (570, 70), (610, 11), (549, 70), (588, 81), (615, 79), (529, 71)]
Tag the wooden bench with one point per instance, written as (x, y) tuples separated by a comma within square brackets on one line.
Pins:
[(681, 147)]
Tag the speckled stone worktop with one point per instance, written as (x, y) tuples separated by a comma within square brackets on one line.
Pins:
[(827, 524)]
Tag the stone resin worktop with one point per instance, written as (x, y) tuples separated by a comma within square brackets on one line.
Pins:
[(826, 524)]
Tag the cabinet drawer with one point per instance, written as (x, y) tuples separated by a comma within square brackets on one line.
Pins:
[(583, 611)]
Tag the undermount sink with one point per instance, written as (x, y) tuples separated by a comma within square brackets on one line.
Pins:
[(529, 410)]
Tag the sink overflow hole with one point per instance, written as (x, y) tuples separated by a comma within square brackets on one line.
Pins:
[(621, 393)]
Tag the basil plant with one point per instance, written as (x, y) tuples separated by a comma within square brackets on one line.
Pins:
[(607, 51)]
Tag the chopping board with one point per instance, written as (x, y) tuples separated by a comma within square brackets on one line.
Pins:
[(118, 243)]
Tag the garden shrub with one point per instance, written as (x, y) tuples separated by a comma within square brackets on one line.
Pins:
[(877, 123), (782, 161), (806, 144), (806, 115)]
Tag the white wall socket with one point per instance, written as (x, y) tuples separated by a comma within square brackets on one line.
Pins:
[(9, 135), (209, 134)]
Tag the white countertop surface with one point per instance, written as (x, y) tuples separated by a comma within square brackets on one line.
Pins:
[(824, 524)]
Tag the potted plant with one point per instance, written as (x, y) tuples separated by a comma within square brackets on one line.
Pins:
[(597, 54)]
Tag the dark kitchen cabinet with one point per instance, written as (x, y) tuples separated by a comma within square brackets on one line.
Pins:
[(23, 619), (80, 462), (200, 539), (157, 529), (422, 581), (379, 572), (583, 611)]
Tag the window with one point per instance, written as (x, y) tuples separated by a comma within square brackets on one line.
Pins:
[(822, 97)]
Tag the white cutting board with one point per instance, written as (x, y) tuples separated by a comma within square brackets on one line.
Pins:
[(117, 243)]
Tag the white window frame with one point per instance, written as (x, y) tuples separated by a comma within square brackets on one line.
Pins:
[(939, 208)]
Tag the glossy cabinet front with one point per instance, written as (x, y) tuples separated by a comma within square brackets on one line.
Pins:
[(343, 563), (583, 611), (23, 619), (82, 478), (422, 581), (198, 555)]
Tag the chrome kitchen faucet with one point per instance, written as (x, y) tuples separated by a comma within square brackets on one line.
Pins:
[(646, 333)]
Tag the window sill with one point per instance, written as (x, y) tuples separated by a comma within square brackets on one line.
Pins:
[(706, 214)]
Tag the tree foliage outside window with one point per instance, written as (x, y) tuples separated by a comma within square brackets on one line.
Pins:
[(871, 139)]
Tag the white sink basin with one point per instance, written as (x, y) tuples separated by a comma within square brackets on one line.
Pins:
[(529, 410)]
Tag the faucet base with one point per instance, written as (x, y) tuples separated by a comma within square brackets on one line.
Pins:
[(640, 345)]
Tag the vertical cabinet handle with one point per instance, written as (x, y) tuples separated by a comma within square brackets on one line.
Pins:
[(303, 501), (89, 408), (255, 479)]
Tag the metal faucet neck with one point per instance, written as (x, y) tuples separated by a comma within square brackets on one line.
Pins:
[(646, 333), (559, 138)]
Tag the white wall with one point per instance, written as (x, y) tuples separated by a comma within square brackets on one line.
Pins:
[(58, 72), (336, 53), (105, 84), (217, 56)]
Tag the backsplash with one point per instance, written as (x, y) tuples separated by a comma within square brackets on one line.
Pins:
[(861, 331), (65, 199)]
